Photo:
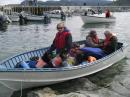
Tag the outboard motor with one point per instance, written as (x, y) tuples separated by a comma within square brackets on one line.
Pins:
[(4, 19), (3, 24), (25, 20), (47, 19), (21, 19), (1, 20), (63, 16)]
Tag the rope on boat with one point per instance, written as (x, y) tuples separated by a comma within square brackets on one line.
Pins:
[(21, 84), (7, 86), (21, 88), (122, 49)]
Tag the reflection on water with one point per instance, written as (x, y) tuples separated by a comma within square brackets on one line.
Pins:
[(3, 27), (101, 82), (98, 25), (112, 82), (105, 77)]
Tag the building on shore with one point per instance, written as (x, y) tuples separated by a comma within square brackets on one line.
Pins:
[(31, 7), (36, 10)]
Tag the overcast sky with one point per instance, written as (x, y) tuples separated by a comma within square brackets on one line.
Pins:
[(3, 2)]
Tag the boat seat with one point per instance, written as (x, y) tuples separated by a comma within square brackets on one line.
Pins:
[(119, 45)]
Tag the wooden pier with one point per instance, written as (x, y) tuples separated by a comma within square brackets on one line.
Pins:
[(36, 10), (39, 10)]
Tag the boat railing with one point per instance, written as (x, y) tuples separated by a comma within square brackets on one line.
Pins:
[(11, 62), (8, 69)]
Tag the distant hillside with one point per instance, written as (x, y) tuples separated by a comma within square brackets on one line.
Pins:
[(79, 3), (76, 2), (122, 3)]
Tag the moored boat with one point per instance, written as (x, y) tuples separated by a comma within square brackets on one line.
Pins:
[(4, 19), (97, 19), (15, 78), (34, 18), (14, 16)]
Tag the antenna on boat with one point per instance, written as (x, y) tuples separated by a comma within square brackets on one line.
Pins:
[(21, 89), (98, 4), (113, 3)]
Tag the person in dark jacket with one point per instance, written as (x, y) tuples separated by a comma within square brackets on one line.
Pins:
[(110, 42), (92, 39), (62, 40)]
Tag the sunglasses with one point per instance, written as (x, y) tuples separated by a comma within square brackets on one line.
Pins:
[(60, 27)]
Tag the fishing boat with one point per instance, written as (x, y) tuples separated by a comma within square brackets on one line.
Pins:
[(4, 19), (31, 17), (17, 78), (14, 16), (56, 14), (34, 18), (97, 18)]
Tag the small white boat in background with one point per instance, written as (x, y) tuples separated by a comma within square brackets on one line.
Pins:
[(4, 19), (14, 16), (54, 15), (44, 19), (31, 17), (97, 18), (34, 18), (17, 78)]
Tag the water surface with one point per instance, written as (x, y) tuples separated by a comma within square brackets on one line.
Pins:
[(112, 82)]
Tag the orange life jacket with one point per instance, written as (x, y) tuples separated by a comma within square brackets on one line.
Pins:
[(91, 59)]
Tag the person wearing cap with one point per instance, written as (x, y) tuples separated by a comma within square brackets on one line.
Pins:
[(110, 42), (62, 40), (92, 39)]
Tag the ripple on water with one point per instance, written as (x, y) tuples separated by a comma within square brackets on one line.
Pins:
[(112, 82)]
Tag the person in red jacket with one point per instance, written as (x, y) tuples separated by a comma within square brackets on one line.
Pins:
[(62, 40), (92, 39), (107, 13), (110, 42)]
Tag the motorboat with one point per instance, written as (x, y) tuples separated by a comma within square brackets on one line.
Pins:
[(97, 18), (14, 16), (17, 78), (4, 19)]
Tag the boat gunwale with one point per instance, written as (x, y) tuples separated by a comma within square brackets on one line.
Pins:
[(62, 68), (112, 17)]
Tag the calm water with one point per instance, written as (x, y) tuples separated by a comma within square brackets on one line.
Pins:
[(112, 82)]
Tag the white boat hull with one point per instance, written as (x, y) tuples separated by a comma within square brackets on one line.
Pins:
[(95, 19), (35, 18), (14, 18), (41, 77), (4, 18), (57, 16)]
